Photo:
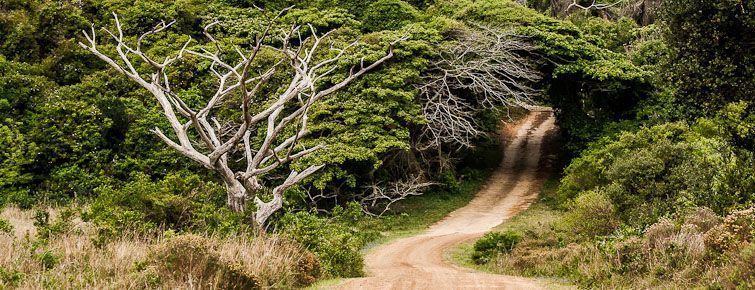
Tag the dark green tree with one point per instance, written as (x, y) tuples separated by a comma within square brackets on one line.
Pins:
[(712, 53)]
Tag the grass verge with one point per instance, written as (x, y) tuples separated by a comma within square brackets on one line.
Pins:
[(417, 213)]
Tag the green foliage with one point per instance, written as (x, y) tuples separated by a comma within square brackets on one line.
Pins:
[(711, 56), (494, 243), (661, 169), (587, 76), (10, 277), (13, 160), (612, 35), (591, 214), (595, 97), (47, 229), (48, 259), (323, 19), (388, 15), (179, 201), (648, 49), (5, 226), (736, 122), (32, 31), (335, 241), (371, 119), (355, 7)]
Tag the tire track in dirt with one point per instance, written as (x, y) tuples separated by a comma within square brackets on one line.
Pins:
[(418, 262)]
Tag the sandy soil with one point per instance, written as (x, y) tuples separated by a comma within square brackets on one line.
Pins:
[(418, 262)]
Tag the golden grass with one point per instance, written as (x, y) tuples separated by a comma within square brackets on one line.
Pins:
[(273, 259), (72, 261), (22, 221), (76, 262), (666, 256)]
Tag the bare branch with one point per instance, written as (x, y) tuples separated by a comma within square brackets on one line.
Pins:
[(593, 5), (484, 69), (380, 198)]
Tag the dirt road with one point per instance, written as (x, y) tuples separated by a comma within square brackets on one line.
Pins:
[(418, 262)]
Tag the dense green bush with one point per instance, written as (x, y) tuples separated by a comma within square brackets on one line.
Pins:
[(48, 227), (494, 243), (613, 35), (591, 214), (659, 170), (586, 74), (179, 201), (712, 59), (335, 241)]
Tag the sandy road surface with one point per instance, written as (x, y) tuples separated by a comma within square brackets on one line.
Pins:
[(417, 262)]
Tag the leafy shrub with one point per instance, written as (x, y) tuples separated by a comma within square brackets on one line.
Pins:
[(47, 228), (48, 259), (711, 57), (591, 214), (191, 257), (660, 170), (614, 35), (494, 243), (10, 277), (5, 226), (334, 241), (179, 201)]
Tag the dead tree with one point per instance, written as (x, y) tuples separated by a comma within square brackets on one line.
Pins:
[(380, 198), (592, 6), (484, 69), (564, 8), (199, 135)]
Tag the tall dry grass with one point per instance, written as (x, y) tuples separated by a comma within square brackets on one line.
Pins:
[(700, 249), (21, 220), (278, 262), (72, 260)]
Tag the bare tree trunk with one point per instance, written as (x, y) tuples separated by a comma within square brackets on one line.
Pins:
[(236, 199)]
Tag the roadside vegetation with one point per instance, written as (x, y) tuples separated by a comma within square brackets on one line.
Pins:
[(265, 144), (55, 247)]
